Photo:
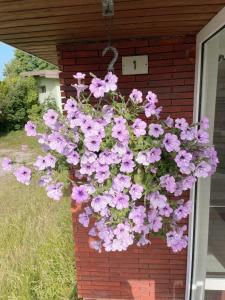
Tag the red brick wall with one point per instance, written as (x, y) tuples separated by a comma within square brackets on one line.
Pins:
[(152, 272)]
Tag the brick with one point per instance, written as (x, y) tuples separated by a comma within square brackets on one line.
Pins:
[(67, 61)]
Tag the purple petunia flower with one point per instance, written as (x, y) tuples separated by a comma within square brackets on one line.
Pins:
[(79, 76), (80, 87), (57, 142), (120, 133), (90, 127), (44, 162), (203, 169), (106, 157), (139, 127), (157, 200), (97, 87), (44, 180), (181, 124), (188, 134), (30, 129), (23, 175), (187, 169), (84, 219), (70, 106), (54, 191), (120, 201), (152, 97), (102, 173), (188, 182), (202, 136), (204, 123), (51, 160), (127, 165), (166, 211), (143, 158), (73, 118), (136, 96), (154, 155), (168, 182), (41, 163), (79, 194), (155, 221), (171, 142), (87, 169), (149, 109), (99, 203), (143, 241), (88, 157), (50, 117), (123, 238), (110, 82), (120, 121), (155, 130), (138, 215), (183, 158), (7, 164), (213, 158), (136, 191), (153, 170), (90, 188), (182, 211), (96, 245), (157, 112), (92, 232), (73, 158), (107, 111), (119, 149), (129, 153), (169, 122), (120, 182), (176, 239), (92, 143)]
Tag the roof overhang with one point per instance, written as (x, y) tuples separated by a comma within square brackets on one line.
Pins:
[(38, 26), (53, 74)]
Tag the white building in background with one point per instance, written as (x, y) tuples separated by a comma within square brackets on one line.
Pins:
[(48, 85)]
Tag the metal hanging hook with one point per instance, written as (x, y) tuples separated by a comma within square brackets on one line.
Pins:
[(114, 59)]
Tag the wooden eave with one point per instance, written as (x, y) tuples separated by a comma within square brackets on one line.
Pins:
[(37, 26)]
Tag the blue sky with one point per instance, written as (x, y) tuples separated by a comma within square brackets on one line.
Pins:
[(6, 54)]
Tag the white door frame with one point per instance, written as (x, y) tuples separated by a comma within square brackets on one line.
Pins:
[(215, 25)]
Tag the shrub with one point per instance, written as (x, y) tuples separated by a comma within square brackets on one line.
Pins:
[(18, 96)]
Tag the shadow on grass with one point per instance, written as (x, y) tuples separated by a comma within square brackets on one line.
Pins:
[(73, 295), (3, 133)]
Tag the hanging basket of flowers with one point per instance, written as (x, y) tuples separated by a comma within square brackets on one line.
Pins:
[(131, 167)]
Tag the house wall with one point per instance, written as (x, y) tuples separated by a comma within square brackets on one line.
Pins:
[(152, 272), (52, 90)]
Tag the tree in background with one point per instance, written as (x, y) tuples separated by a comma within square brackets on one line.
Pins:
[(19, 95), (24, 62)]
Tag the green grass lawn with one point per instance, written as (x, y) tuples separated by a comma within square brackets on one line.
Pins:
[(36, 245)]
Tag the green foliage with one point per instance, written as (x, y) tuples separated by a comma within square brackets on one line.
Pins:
[(36, 112), (17, 96), (118, 216), (24, 62)]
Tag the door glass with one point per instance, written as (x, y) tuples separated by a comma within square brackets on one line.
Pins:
[(215, 264)]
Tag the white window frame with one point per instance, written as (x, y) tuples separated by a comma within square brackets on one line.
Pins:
[(191, 284)]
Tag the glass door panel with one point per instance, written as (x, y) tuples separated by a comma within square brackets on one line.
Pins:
[(211, 205), (215, 264)]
